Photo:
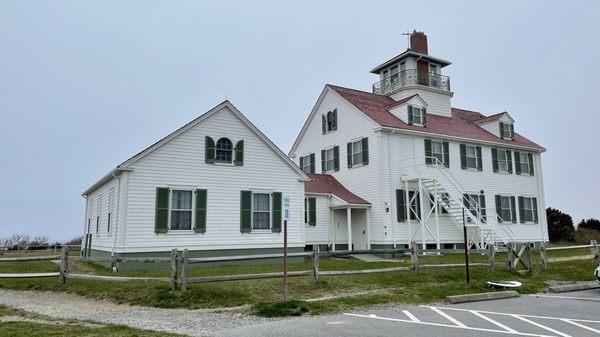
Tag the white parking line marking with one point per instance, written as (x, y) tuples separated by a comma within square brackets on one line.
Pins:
[(447, 325), (450, 318), (493, 321), (522, 315), (541, 326), (568, 297), (411, 316), (581, 325)]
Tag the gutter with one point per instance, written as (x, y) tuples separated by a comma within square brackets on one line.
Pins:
[(110, 175)]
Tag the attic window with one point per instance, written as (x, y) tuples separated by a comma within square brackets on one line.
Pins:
[(224, 150), (507, 131), (416, 115)]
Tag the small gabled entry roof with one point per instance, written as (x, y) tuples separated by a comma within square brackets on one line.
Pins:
[(327, 184), (126, 165)]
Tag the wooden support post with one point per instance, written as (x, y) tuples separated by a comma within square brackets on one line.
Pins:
[(174, 259), (543, 256), (529, 258), (510, 254), (492, 257), (414, 256), (184, 270), (594, 251), (64, 264), (316, 264)]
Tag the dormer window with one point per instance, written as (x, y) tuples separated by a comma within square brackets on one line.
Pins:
[(417, 116), (507, 131), (329, 121), (394, 74)]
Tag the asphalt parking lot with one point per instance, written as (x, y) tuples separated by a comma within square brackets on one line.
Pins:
[(565, 314)]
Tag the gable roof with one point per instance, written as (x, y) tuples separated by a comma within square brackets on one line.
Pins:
[(493, 118), (462, 124), (406, 53), (126, 165), (325, 183), (404, 100)]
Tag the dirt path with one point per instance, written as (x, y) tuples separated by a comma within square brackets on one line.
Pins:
[(202, 322)]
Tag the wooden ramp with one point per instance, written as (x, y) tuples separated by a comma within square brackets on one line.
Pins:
[(367, 257)]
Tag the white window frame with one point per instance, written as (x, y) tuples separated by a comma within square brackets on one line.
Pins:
[(357, 158), (503, 209), (98, 213), (328, 159), (433, 153), (473, 157), (109, 212), (506, 129), (329, 121), (171, 209), (231, 151), (505, 161), (270, 195), (417, 112), (394, 75), (525, 210), (524, 163), (306, 164)]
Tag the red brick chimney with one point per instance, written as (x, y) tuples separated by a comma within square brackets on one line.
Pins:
[(418, 42)]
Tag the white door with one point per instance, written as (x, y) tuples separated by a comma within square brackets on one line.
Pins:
[(359, 229)]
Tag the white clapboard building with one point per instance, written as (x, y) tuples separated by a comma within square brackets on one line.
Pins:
[(215, 186), (400, 165)]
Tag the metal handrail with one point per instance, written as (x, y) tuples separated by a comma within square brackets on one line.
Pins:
[(412, 77)]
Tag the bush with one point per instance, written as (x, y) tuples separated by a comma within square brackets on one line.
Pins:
[(583, 236), (590, 224), (560, 225), (281, 309)]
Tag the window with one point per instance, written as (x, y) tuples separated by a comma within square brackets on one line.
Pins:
[(505, 209), (306, 211), (444, 199), (471, 153), (89, 224), (224, 150), (416, 117), (307, 163), (261, 211), (357, 157), (505, 130), (523, 162), (98, 210), (528, 209), (181, 210), (394, 74), (502, 161), (415, 205), (110, 210), (433, 76), (329, 160), (437, 151), (475, 203)]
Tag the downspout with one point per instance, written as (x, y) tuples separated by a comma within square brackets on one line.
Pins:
[(390, 186), (118, 218)]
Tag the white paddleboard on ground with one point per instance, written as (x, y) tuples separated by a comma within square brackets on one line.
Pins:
[(504, 284)]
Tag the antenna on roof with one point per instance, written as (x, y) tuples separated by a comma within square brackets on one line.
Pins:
[(407, 38)]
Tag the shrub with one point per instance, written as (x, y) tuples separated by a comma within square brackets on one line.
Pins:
[(590, 223), (281, 309), (560, 225), (583, 236)]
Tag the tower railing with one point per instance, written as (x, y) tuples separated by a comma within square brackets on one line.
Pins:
[(411, 77)]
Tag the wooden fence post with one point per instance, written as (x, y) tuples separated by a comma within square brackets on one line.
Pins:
[(316, 264), (64, 265), (594, 250), (529, 257), (184, 270), (174, 259), (510, 254), (414, 256), (492, 257), (543, 256)]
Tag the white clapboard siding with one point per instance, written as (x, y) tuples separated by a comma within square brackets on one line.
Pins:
[(180, 163), (319, 234), (438, 102), (102, 240)]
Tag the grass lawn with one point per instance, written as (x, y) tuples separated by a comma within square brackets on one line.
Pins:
[(32, 325), (399, 287)]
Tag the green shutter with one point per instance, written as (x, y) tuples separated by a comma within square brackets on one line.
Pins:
[(312, 163), (509, 161), (521, 210), (463, 156), (424, 116), (400, 205), (200, 226), (239, 153), (245, 211), (428, 153), (410, 115), (512, 132), (276, 212), (446, 154), (301, 164), (495, 160), (479, 159), (209, 150), (517, 163), (349, 154), (312, 211), (530, 158), (482, 208), (323, 124), (336, 158), (161, 220), (501, 130), (513, 209), (499, 209), (334, 119), (323, 168), (365, 151), (535, 210)]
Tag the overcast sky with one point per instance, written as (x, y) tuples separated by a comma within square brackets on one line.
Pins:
[(84, 85)]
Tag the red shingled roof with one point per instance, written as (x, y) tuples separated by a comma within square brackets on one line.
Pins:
[(325, 183), (463, 123)]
